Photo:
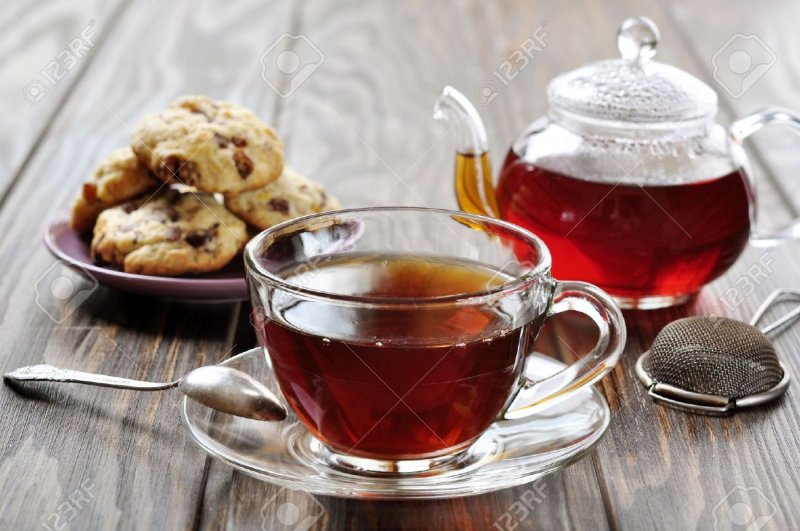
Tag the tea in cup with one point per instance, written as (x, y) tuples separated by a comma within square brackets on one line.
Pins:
[(400, 335)]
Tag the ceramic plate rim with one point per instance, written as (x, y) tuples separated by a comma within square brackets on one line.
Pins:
[(237, 286)]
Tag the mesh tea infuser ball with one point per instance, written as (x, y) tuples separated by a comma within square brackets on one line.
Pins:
[(716, 365)]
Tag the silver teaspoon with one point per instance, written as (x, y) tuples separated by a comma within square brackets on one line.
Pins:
[(221, 388)]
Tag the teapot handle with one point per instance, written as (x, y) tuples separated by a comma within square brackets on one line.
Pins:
[(743, 128)]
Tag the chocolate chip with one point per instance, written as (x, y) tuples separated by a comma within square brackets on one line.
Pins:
[(170, 167), (198, 238), (173, 233), (238, 141), (183, 170), (129, 207), (195, 109), (222, 142), (244, 165), (279, 205), (172, 213)]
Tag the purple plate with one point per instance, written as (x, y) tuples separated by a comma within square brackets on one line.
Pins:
[(225, 284)]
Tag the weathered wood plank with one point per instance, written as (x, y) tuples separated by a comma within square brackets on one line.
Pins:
[(673, 469), (44, 49), (126, 452), (763, 38)]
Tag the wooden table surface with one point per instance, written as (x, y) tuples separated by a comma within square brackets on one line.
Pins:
[(89, 458)]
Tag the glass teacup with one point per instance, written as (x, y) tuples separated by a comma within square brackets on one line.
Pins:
[(399, 335)]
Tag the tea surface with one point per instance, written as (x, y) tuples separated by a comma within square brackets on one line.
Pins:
[(408, 381)]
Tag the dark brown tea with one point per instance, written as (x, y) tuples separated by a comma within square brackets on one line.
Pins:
[(407, 381), (632, 241)]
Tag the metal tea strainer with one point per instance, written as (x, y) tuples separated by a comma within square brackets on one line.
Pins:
[(715, 365)]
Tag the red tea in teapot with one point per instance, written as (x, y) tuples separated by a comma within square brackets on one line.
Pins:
[(631, 240), (651, 236)]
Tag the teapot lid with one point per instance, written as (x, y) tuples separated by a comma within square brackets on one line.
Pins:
[(633, 90)]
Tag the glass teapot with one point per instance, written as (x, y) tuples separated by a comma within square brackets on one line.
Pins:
[(628, 178)]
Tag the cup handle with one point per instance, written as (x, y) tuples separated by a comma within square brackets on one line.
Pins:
[(604, 312), (743, 128)]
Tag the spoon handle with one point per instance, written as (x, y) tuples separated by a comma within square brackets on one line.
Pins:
[(48, 373)]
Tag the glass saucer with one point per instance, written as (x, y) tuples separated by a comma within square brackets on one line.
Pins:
[(509, 453)]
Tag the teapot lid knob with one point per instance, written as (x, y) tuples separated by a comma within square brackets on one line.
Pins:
[(637, 39)]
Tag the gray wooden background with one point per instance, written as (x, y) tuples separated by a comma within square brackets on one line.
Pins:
[(360, 122)]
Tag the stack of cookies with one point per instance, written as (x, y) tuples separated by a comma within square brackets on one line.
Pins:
[(179, 200)]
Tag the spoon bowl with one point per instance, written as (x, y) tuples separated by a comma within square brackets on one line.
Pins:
[(222, 388), (233, 392)]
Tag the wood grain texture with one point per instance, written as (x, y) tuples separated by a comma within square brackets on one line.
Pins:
[(766, 34), (360, 124), (654, 457), (40, 61)]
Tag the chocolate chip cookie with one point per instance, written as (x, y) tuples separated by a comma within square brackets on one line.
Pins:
[(118, 178), (215, 146), (170, 234), (291, 195)]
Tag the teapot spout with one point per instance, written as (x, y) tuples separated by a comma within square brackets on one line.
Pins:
[(452, 105), (473, 169)]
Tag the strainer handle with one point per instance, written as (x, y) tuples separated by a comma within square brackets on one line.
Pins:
[(739, 131), (604, 312)]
